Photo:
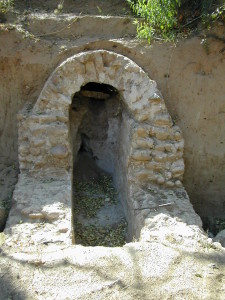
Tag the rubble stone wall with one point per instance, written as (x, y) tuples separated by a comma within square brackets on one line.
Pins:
[(156, 145), (151, 146)]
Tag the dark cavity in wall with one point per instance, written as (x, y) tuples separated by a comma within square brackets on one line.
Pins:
[(98, 214)]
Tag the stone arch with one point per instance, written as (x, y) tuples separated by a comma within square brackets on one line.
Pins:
[(153, 155), (154, 128)]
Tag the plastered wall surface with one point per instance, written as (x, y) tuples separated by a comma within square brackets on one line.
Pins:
[(190, 78)]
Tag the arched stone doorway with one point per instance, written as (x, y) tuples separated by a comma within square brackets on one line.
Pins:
[(151, 146)]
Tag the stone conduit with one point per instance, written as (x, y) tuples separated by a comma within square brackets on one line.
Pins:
[(152, 163)]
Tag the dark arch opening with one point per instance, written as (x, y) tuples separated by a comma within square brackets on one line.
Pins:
[(95, 120)]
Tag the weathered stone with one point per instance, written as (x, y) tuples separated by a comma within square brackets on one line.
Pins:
[(147, 143), (42, 119), (141, 117), (24, 149), (64, 226), (158, 167), (35, 216), (146, 176), (168, 175), (90, 69), (143, 155), (170, 184), (160, 179), (160, 133), (59, 151), (52, 212), (159, 156), (35, 151), (163, 119), (146, 133), (62, 118), (141, 132), (177, 168), (178, 183), (38, 142)]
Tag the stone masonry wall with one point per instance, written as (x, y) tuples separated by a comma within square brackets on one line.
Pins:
[(157, 145), (151, 146)]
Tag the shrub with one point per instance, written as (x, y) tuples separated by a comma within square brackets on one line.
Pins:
[(159, 17), (5, 5)]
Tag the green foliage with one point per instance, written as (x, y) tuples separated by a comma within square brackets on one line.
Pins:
[(59, 8), (209, 17), (108, 236), (165, 19), (5, 5), (159, 17)]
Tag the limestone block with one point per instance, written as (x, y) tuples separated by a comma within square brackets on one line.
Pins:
[(177, 133), (169, 184), (37, 142), (24, 149), (174, 157), (170, 148), (27, 159), (90, 70), (160, 179), (53, 212), (178, 183), (155, 98), (142, 155), (159, 156), (146, 176), (35, 151), (76, 66), (40, 162), (141, 117), (62, 118), (35, 216), (64, 226), (155, 166), (141, 132), (59, 151), (160, 133), (111, 73), (60, 102), (38, 131), (177, 136), (163, 119), (177, 168), (41, 119), (168, 175), (179, 145), (160, 147), (147, 143), (29, 211)]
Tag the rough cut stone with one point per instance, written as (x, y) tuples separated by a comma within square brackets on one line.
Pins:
[(46, 152), (59, 151)]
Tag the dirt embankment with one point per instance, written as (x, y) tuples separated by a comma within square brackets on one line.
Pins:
[(189, 75)]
